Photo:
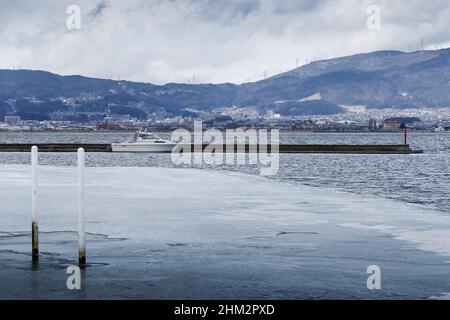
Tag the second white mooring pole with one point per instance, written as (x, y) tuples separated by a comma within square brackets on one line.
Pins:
[(81, 207), (34, 221)]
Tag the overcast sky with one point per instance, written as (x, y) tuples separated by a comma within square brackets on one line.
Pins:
[(162, 41)]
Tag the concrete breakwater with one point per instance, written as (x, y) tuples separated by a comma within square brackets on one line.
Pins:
[(55, 147), (282, 148)]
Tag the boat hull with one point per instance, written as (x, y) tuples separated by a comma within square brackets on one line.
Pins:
[(143, 147)]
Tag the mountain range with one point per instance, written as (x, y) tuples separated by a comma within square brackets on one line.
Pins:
[(382, 79)]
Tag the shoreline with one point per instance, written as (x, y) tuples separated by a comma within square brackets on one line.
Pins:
[(222, 130)]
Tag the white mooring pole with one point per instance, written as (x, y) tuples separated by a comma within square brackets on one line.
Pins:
[(81, 204), (34, 221)]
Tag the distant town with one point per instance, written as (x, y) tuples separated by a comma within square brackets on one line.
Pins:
[(355, 118)]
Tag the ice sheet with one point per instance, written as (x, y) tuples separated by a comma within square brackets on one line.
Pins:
[(160, 204), (162, 218)]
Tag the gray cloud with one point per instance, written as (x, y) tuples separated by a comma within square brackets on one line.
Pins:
[(97, 11), (163, 41)]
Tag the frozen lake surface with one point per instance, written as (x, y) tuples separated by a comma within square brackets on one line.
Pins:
[(158, 233)]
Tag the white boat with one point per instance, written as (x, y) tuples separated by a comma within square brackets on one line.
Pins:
[(144, 141)]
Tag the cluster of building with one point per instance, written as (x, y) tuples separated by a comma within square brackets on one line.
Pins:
[(354, 119)]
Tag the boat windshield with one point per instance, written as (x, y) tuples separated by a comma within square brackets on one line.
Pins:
[(144, 135), (149, 136)]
